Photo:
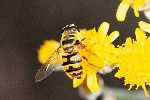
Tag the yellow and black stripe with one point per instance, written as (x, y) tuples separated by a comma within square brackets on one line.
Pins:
[(71, 58)]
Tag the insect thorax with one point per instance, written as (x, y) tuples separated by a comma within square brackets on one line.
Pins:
[(70, 41), (72, 65)]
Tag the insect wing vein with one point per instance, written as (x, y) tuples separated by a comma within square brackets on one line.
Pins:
[(48, 67), (89, 56)]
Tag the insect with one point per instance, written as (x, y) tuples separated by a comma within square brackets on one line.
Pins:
[(67, 55)]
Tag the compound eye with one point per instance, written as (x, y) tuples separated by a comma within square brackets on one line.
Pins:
[(70, 28)]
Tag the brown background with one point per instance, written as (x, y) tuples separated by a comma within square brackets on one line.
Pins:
[(25, 24)]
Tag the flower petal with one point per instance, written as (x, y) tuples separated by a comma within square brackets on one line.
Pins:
[(122, 10), (103, 29), (136, 12), (92, 82), (145, 91), (140, 34), (128, 42), (113, 36), (144, 26)]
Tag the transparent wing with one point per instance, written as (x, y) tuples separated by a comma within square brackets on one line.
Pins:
[(90, 57), (48, 67)]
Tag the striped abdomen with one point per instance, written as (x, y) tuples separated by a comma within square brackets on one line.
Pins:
[(72, 66)]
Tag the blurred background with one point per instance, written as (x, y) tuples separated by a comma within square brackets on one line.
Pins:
[(25, 24)]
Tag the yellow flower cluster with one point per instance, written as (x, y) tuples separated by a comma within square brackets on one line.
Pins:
[(132, 57), (133, 61), (124, 6)]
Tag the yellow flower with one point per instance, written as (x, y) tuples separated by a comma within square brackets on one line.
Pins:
[(46, 50), (99, 53), (144, 26), (133, 61), (124, 6)]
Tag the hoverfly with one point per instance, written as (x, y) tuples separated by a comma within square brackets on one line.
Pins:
[(67, 55)]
